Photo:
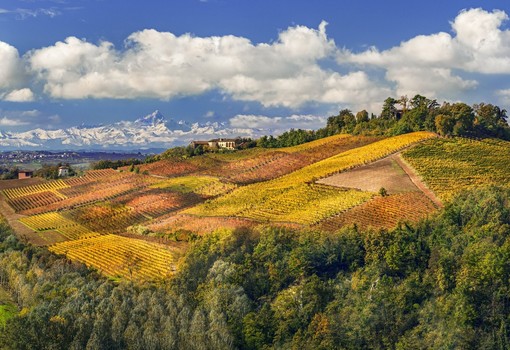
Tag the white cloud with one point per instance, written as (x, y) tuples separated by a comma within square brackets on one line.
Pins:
[(21, 95), (5, 121), (254, 121), (430, 81), (289, 71), (277, 123), (22, 13), (161, 65), (425, 63), (504, 96), (11, 67), (30, 113)]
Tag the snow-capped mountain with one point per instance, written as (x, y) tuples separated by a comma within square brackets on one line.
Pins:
[(153, 130)]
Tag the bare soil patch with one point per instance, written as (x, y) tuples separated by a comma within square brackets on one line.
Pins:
[(385, 173)]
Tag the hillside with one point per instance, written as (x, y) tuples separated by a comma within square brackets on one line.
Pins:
[(108, 219), (310, 255)]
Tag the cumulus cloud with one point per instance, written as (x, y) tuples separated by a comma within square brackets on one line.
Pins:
[(295, 69), (21, 95), (277, 123), (5, 121), (426, 63), (161, 65), (11, 69)]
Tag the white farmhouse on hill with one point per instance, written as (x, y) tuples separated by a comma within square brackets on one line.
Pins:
[(216, 143), (63, 171)]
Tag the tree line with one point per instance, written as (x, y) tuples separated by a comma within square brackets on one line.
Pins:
[(403, 115), (443, 283)]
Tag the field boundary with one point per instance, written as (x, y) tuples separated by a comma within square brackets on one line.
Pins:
[(413, 175)]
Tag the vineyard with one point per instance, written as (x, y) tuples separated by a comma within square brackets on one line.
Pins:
[(90, 189), (118, 256), (449, 166), (281, 199), (198, 225), (306, 204), (106, 215), (153, 202), (383, 212), (18, 192), (205, 186), (256, 165), (275, 163), (56, 221)]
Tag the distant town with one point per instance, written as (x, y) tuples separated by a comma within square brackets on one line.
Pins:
[(35, 159)]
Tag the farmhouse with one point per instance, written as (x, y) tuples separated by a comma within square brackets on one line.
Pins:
[(25, 174), (216, 143), (63, 171)]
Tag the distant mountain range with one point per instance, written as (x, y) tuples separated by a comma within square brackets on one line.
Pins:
[(151, 131)]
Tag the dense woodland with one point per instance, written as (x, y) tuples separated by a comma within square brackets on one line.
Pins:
[(441, 284)]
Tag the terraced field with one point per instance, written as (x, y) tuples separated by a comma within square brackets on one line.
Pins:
[(448, 166)]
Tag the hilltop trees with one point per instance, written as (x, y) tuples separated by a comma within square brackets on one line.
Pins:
[(448, 119), (491, 120), (404, 115)]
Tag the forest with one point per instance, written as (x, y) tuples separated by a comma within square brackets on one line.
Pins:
[(440, 284)]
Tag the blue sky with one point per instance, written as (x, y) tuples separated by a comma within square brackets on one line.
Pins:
[(78, 62)]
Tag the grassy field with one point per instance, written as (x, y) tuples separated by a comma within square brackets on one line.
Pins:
[(7, 307)]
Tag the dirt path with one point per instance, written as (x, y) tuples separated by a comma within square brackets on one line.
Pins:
[(416, 179)]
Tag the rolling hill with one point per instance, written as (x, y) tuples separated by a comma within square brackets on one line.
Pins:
[(135, 225)]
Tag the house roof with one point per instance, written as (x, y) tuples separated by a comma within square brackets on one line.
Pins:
[(223, 140)]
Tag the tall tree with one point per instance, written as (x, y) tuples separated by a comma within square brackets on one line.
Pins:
[(388, 110)]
